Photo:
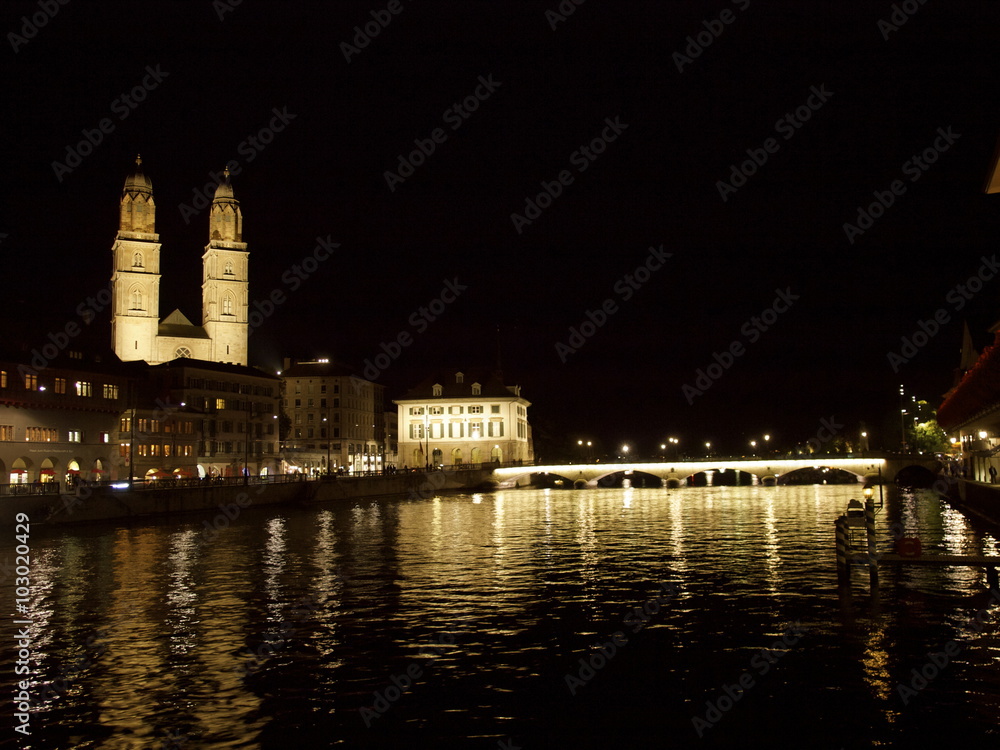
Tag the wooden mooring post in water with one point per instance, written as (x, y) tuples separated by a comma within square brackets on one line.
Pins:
[(849, 555)]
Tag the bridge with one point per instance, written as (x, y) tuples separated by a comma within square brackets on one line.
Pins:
[(676, 473)]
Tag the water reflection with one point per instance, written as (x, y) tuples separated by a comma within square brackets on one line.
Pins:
[(295, 617)]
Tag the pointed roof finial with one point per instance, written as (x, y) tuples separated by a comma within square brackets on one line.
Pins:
[(226, 171), (138, 160)]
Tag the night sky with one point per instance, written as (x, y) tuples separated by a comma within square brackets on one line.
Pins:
[(866, 106)]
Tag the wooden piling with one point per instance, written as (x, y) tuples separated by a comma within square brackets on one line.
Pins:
[(872, 552)]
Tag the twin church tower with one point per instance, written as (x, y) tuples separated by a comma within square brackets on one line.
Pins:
[(137, 333)]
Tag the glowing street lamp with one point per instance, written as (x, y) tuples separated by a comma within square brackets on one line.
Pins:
[(753, 447), (708, 448), (674, 441)]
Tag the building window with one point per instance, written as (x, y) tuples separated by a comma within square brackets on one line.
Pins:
[(74, 436), (436, 390), (30, 382), (124, 424), (455, 409), (110, 391), (182, 353), (227, 305), (3, 378), (104, 437), (60, 385), (166, 449), (459, 377), (137, 299), (220, 404), (477, 389), (154, 449), (475, 410), (83, 388), (6, 432), (137, 260), (336, 403), (40, 434), (495, 408), (229, 268)]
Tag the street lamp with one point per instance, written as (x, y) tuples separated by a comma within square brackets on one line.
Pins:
[(663, 449), (625, 450), (674, 441), (753, 447), (708, 448)]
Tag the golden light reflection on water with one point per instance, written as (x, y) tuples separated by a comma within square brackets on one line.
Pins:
[(179, 613)]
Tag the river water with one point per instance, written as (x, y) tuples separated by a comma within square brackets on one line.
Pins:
[(634, 618)]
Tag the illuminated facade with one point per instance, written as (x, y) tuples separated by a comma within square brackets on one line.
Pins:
[(335, 420), (137, 333), (59, 423), (464, 418)]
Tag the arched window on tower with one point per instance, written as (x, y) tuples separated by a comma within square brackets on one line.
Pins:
[(137, 299), (229, 268), (227, 305), (137, 260), (182, 352)]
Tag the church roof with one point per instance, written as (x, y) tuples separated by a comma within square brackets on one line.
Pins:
[(177, 325), (137, 181)]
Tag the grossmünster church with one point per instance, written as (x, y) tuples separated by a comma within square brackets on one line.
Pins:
[(136, 329)]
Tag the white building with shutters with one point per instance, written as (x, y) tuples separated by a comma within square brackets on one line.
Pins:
[(463, 417)]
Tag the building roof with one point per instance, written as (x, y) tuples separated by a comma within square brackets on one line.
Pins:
[(137, 181), (177, 325), (491, 382), (977, 393), (201, 364), (318, 369)]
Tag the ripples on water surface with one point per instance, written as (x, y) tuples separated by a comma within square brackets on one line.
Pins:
[(495, 598)]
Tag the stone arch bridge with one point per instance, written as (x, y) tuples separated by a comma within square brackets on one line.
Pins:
[(675, 473)]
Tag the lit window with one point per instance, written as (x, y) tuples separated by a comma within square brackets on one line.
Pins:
[(3, 378), (74, 436), (83, 388), (220, 403), (6, 432), (60, 385), (30, 382), (110, 391)]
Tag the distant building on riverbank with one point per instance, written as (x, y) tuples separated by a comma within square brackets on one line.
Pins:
[(463, 417), (335, 420)]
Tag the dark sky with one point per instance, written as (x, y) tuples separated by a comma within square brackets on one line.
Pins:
[(323, 175)]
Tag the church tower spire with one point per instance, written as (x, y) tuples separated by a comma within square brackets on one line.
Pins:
[(225, 286), (135, 278)]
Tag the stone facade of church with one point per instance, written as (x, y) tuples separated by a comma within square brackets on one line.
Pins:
[(137, 331)]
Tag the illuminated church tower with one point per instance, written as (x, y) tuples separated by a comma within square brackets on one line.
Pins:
[(225, 286), (135, 280), (136, 330)]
